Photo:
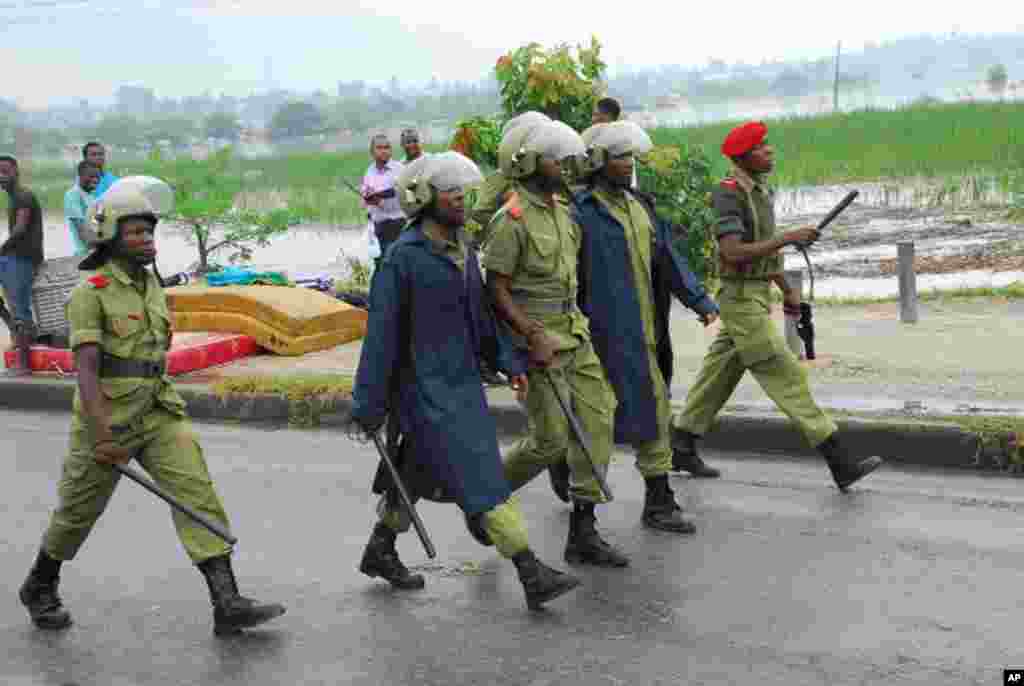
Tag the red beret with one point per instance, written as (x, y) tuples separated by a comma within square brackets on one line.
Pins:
[(741, 139)]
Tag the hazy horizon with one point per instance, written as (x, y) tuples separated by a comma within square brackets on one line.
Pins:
[(63, 50)]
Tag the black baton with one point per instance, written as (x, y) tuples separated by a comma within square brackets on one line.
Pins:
[(213, 527), (417, 523), (843, 204), (581, 437)]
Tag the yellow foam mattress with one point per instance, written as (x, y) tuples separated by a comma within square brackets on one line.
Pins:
[(284, 320)]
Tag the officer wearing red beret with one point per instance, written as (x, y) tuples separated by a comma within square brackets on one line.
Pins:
[(750, 253)]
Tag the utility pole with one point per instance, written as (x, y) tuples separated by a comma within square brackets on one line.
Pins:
[(835, 85)]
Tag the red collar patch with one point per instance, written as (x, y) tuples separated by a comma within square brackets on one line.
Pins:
[(99, 281)]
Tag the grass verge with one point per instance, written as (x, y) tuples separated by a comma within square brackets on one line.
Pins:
[(309, 396)]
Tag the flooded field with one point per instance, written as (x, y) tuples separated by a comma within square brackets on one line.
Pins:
[(960, 233), (306, 249), (961, 236)]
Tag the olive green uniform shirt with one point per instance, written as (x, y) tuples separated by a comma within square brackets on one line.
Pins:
[(636, 222), (488, 202), (746, 207), (537, 246), (453, 248), (129, 319)]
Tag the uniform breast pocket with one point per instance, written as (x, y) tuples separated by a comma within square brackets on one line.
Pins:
[(542, 255), (126, 326)]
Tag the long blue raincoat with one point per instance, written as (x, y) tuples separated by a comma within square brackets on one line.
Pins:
[(609, 299), (429, 324)]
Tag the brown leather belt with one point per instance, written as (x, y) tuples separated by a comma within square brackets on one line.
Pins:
[(120, 368)]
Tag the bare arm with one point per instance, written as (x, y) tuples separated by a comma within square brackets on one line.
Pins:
[(510, 311), (734, 251), (95, 407), (541, 345), (87, 360), (22, 217)]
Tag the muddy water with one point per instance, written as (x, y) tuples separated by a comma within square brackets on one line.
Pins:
[(307, 249), (941, 223)]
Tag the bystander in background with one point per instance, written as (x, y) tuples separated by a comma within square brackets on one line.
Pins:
[(379, 194), (20, 256), (97, 154), (77, 201)]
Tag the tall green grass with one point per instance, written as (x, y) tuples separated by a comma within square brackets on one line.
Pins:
[(933, 140), (308, 183)]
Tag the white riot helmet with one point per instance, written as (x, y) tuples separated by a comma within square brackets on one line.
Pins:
[(132, 196), (526, 118), (552, 139), (514, 133), (419, 181), (613, 139)]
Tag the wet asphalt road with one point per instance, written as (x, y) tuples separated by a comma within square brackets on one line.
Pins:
[(915, 578)]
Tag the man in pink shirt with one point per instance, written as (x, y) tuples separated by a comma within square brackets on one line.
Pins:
[(379, 194)]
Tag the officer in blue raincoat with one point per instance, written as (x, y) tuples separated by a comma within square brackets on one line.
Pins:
[(429, 324), (629, 273)]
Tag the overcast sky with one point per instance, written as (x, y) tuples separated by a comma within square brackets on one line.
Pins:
[(58, 50)]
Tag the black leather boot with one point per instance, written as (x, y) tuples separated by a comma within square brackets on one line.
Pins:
[(846, 469), (559, 475), (540, 582), (231, 611), (585, 546), (686, 459), (39, 594), (661, 511), (381, 559)]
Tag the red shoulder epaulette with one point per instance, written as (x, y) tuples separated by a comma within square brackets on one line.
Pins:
[(512, 205), (730, 183), (99, 281)]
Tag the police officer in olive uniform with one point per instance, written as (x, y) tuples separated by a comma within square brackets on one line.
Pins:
[(430, 323), (532, 259), (496, 187), (629, 273), (125, 408), (750, 251)]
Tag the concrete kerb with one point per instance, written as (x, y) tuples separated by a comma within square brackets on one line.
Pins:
[(919, 442)]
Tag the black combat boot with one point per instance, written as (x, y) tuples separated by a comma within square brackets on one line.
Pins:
[(559, 475), (39, 594), (381, 559), (686, 459), (846, 469), (661, 511), (541, 583), (231, 611), (585, 546)]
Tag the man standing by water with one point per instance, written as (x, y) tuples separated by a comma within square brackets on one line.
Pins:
[(77, 201), (95, 152), (380, 196), (20, 256)]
